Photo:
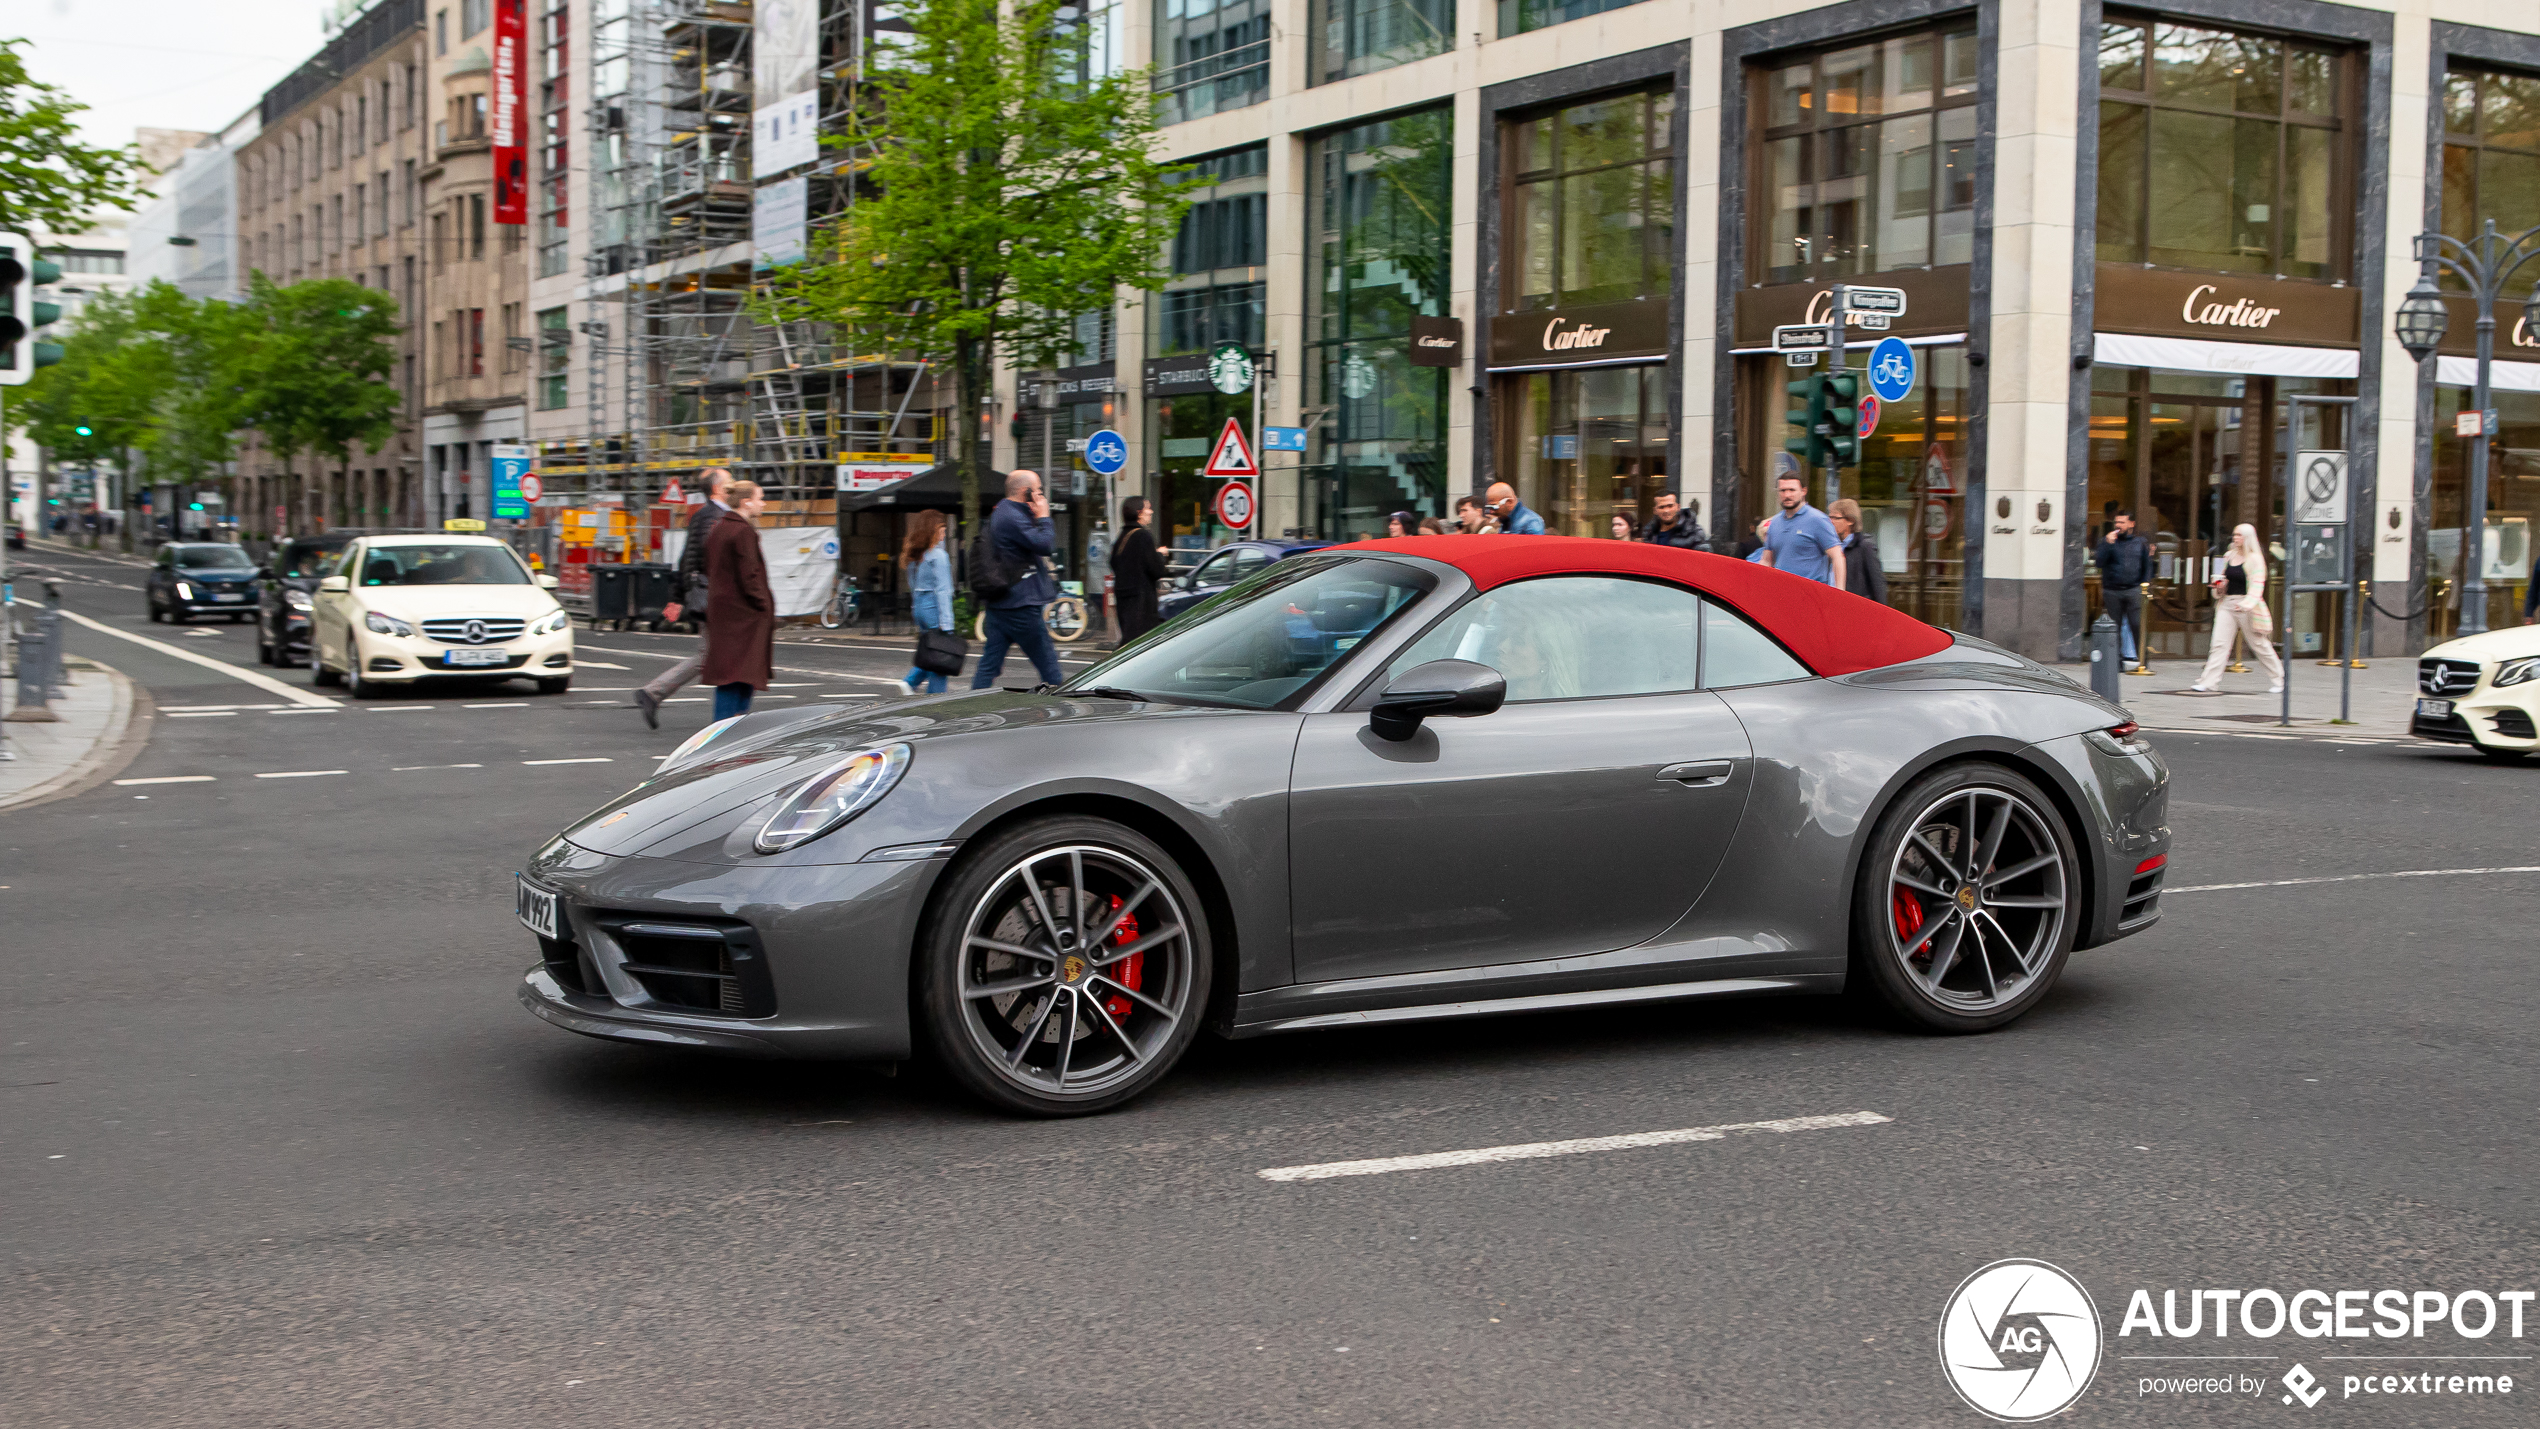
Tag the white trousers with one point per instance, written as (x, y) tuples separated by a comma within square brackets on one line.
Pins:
[(2227, 622)]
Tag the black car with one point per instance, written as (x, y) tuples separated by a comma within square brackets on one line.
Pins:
[(193, 578), (282, 615), (1224, 567)]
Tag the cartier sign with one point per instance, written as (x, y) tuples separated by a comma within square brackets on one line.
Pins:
[(2515, 341), (1581, 336), (2223, 306)]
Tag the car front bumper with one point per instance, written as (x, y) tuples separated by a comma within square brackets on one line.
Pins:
[(2491, 719), (398, 659)]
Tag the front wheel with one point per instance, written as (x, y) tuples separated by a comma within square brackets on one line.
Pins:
[(1970, 898), (1065, 968), (556, 686), (838, 611)]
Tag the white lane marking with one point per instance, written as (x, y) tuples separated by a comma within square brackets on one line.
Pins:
[(689, 700), (598, 759), (410, 768), (505, 705), (598, 665), (1534, 1150), (791, 684), (199, 714), (304, 710), (2354, 878), (859, 695), (265, 683), (302, 773), (207, 709), (168, 779), (397, 709), (779, 669), (780, 697)]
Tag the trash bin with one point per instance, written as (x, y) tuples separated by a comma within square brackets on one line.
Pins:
[(612, 595), (656, 585)]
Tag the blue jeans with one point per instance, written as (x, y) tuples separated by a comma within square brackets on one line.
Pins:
[(1016, 625), (733, 699), (926, 680)]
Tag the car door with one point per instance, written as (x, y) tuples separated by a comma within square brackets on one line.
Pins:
[(330, 612), (1586, 815)]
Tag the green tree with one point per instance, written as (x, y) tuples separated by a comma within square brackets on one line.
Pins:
[(310, 365), (48, 179), (1005, 193)]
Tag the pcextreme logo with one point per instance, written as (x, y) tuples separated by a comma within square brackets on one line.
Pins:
[(2019, 1340)]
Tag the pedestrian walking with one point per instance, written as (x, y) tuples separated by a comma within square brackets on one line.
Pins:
[(1474, 519), (690, 588), (930, 591), (1863, 573), (1010, 571), (2125, 563), (1673, 522), (1799, 539), (740, 607), (1402, 523), (2240, 607), (1513, 515), (1137, 569)]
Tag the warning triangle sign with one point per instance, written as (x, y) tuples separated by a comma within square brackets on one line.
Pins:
[(1232, 455)]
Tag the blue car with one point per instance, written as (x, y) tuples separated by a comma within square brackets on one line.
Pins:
[(1226, 565)]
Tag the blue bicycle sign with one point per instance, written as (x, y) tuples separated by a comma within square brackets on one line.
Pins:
[(1105, 453), (1892, 369)]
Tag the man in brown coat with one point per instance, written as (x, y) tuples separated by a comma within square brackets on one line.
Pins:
[(740, 608)]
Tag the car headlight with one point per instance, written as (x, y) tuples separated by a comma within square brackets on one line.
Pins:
[(184, 591), (296, 599), (552, 623), (694, 743), (386, 625), (2518, 672), (833, 796)]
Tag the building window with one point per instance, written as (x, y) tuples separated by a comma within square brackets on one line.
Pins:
[(471, 17), (2221, 151), (515, 342), (440, 258), (555, 202), (555, 358), (1210, 56), (406, 209), (88, 260), (475, 225), (1518, 16), (440, 33), (1379, 201), (1592, 202), (1353, 37), (2491, 153), (476, 342), (1216, 292), (1868, 159)]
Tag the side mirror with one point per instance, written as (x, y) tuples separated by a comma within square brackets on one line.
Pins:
[(547, 582), (334, 585), (1453, 689)]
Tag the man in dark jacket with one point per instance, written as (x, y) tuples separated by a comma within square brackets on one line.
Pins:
[(1674, 523), (1020, 535), (689, 586), (1137, 568), (1863, 574), (2125, 563)]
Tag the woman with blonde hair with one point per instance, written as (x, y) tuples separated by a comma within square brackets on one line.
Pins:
[(2240, 607)]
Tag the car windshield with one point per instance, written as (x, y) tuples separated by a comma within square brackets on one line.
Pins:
[(207, 558), (1264, 641), (307, 559), (440, 565)]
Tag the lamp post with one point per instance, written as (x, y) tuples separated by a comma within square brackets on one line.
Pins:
[(2485, 263)]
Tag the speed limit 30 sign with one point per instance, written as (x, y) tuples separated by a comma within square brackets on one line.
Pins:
[(1234, 505)]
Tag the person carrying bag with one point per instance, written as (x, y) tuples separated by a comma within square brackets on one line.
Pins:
[(940, 650)]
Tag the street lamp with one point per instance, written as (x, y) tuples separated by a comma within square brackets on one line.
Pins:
[(2485, 263)]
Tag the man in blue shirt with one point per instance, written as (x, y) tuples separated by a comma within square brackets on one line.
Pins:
[(1515, 519), (1801, 540), (1019, 532)]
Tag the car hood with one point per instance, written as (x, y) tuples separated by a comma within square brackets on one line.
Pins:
[(2511, 643), (421, 602), (216, 575), (769, 753)]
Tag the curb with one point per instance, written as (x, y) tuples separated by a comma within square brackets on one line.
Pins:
[(126, 734)]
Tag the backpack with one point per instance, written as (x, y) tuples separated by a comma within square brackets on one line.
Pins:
[(991, 573)]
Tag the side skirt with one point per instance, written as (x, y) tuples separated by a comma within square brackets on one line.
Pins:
[(1253, 1019)]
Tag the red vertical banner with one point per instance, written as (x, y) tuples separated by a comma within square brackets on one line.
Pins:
[(511, 102)]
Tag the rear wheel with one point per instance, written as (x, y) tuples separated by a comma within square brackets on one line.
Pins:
[(318, 673), (1969, 900), (1065, 969)]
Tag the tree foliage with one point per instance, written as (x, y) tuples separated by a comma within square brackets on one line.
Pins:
[(1006, 192), (314, 359), (48, 179)]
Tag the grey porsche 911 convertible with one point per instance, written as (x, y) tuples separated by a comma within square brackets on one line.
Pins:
[(1421, 778)]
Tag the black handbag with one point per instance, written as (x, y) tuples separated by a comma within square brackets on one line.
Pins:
[(940, 652)]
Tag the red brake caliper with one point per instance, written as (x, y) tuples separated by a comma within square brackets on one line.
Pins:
[(1909, 914), (1128, 970)]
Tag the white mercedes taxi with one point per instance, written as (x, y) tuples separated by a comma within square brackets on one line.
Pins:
[(399, 612), (2482, 691)]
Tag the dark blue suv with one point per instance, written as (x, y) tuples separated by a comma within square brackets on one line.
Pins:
[(1226, 565)]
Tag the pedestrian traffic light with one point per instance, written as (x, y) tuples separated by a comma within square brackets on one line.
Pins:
[(1843, 418), (1810, 390), (21, 312)]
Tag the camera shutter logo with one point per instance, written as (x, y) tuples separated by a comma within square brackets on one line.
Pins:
[(2019, 1340)]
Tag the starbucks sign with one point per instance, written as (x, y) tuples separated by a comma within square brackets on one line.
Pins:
[(1230, 368)]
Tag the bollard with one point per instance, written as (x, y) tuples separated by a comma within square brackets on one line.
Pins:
[(39, 670), (2103, 661)]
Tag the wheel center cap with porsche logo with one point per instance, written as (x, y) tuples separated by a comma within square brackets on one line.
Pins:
[(1967, 896), (474, 630), (1072, 969)]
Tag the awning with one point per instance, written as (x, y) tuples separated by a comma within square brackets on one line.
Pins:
[(2235, 359), (2501, 376), (937, 488)]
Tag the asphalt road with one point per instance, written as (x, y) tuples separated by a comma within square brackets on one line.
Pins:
[(277, 1145)]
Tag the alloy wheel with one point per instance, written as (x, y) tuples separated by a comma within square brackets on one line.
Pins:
[(1977, 899), (1075, 970)]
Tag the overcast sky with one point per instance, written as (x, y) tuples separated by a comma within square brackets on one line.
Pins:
[(162, 64)]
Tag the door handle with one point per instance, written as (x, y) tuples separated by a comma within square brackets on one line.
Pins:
[(1700, 774)]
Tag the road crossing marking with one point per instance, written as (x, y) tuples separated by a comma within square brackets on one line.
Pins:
[(2354, 878), (597, 759), (397, 709), (1535, 1150), (263, 682), (170, 779), (598, 665), (504, 705), (410, 768), (198, 714), (303, 773)]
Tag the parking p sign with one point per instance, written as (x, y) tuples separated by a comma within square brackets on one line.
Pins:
[(1892, 369)]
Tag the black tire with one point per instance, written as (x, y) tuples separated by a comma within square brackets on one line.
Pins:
[(1131, 1020), (2504, 756), (318, 673), (556, 686), (158, 616), (265, 653), (354, 685), (2021, 920)]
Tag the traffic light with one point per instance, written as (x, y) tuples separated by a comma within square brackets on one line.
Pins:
[(84, 430), (21, 313), (1830, 422)]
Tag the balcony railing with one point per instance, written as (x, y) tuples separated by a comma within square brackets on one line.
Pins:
[(1229, 79)]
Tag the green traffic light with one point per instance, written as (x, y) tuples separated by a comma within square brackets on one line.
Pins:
[(84, 431)]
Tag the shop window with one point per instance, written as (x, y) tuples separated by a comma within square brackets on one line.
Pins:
[(1592, 202), (1868, 158), (1516, 17), (1363, 36), (2491, 154), (1210, 56), (2513, 508), (2222, 152), (1586, 445)]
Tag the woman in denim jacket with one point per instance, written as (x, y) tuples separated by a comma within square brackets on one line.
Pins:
[(930, 585)]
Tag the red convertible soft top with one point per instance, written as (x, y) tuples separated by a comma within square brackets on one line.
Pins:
[(1833, 632)]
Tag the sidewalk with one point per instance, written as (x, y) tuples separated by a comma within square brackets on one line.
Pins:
[(105, 720), (2384, 699)]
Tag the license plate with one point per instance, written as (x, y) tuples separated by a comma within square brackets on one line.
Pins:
[(477, 657), (229, 597), (537, 909), (2435, 709)]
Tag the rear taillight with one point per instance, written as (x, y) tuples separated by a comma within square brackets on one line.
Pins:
[(2127, 730)]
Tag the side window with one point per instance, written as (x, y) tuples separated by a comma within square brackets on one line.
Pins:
[(344, 562), (1218, 569), (1571, 637), (1735, 653), (1249, 562)]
